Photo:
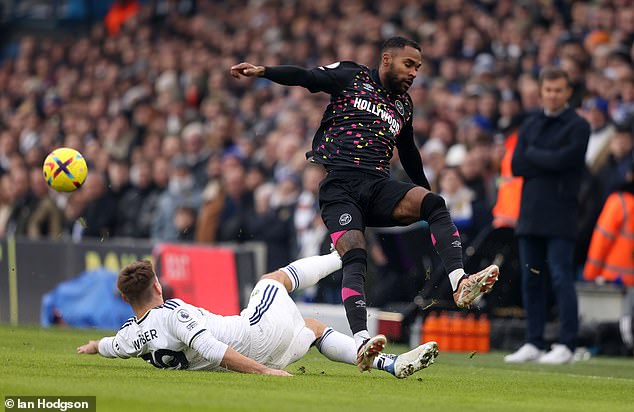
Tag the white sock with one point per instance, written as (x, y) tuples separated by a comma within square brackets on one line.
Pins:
[(308, 271), (454, 278), (337, 347), (360, 337), (341, 348)]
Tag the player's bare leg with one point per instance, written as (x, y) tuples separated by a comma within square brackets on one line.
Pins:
[(419, 203)]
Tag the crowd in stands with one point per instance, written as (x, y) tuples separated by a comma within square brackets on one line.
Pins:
[(180, 151)]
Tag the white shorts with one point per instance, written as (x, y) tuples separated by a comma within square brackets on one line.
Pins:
[(279, 335)]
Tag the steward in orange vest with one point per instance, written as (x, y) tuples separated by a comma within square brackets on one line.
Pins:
[(611, 253), (507, 205)]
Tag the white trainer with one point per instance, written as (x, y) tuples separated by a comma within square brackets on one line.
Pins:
[(527, 353), (419, 358), (370, 350), (558, 355), (476, 285)]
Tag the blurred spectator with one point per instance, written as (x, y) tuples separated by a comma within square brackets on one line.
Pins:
[(238, 202), (309, 228), (47, 219), (195, 152), (213, 198), (595, 111), (181, 188), (6, 203), (24, 201), (470, 214), (614, 170), (185, 222), (118, 179), (96, 207), (272, 221), (136, 205), (624, 111), (472, 169)]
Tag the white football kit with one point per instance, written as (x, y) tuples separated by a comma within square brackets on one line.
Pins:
[(177, 335)]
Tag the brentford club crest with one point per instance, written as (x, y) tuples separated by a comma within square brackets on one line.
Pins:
[(399, 107), (345, 219)]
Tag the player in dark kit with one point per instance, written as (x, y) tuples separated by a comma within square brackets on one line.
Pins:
[(369, 114)]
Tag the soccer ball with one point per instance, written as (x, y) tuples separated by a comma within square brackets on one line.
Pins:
[(65, 169)]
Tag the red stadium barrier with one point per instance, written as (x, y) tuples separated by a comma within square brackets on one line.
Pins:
[(201, 276)]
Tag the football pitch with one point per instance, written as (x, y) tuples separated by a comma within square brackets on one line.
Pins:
[(38, 361)]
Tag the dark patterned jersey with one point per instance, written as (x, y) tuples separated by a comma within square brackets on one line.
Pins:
[(363, 122)]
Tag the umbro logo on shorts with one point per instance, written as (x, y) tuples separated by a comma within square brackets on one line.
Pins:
[(345, 219)]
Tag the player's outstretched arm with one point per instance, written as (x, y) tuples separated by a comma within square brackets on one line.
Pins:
[(91, 348), (246, 70), (329, 79), (235, 361)]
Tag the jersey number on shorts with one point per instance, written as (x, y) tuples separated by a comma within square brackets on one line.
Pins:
[(167, 359)]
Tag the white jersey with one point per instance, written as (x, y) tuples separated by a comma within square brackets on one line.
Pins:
[(177, 335), (166, 337)]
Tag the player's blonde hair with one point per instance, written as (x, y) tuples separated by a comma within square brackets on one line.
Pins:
[(135, 281)]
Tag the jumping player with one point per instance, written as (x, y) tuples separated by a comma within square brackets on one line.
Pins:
[(266, 337), (369, 114)]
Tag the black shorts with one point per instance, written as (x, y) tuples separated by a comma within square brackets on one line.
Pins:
[(356, 199)]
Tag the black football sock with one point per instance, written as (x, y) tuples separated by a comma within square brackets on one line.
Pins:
[(352, 290), (444, 233)]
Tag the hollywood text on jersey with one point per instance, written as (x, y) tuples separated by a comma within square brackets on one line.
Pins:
[(362, 104)]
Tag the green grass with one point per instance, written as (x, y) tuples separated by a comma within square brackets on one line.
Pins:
[(37, 361)]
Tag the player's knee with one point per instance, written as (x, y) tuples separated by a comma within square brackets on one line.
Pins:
[(349, 240), (431, 205), (277, 275), (316, 326)]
